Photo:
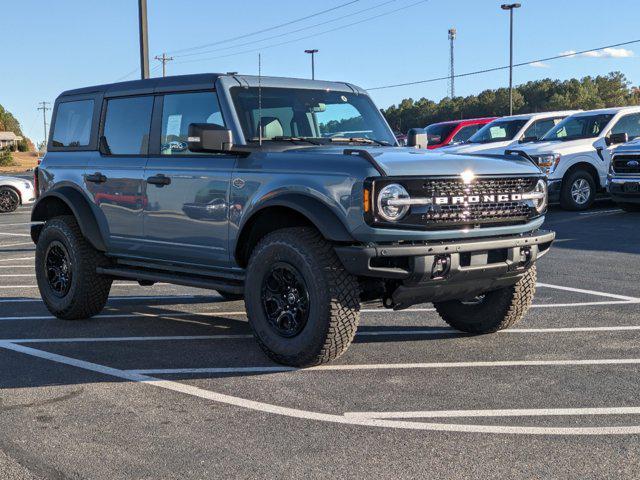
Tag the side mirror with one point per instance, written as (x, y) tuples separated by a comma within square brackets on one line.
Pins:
[(417, 137), (209, 137), (530, 139), (616, 138)]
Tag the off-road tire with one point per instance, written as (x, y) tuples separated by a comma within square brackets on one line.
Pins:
[(230, 297), (630, 207), (334, 304), (567, 202), (498, 310), (11, 202), (89, 291)]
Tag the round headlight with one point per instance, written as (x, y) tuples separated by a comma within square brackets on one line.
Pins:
[(393, 202), (541, 203)]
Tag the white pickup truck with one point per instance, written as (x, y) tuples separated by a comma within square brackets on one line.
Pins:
[(509, 132), (576, 153)]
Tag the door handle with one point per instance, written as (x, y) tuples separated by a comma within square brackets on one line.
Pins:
[(96, 178), (159, 180)]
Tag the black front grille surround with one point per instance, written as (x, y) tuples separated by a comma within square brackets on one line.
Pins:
[(485, 213), (626, 164)]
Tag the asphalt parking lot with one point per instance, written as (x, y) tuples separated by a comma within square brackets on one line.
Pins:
[(168, 383)]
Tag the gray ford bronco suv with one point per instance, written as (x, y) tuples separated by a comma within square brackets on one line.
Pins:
[(292, 194)]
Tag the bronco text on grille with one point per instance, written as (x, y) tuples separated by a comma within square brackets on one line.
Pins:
[(443, 203)]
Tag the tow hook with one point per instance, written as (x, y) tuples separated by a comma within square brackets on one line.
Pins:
[(388, 302), (525, 255), (441, 266)]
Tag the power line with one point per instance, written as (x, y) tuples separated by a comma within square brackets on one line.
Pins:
[(307, 36), (495, 69), (44, 106), (308, 27), (264, 30)]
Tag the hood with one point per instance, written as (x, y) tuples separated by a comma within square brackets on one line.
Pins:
[(632, 146), (559, 146), (397, 161), (491, 148)]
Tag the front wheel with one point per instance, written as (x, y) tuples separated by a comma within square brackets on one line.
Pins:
[(578, 191), (302, 305), (492, 311), (9, 200)]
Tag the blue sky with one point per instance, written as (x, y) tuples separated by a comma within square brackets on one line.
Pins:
[(53, 46)]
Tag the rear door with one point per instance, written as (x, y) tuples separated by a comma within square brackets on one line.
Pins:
[(186, 218), (114, 177)]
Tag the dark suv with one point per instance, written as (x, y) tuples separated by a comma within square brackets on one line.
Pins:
[(291, 194)]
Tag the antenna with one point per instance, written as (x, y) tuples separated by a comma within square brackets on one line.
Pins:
[(260, 99)]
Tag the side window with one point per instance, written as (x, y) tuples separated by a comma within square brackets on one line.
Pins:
[(540, 127), (465, 133), (126, 126), (73, 124), (179, 111), (629, 124)]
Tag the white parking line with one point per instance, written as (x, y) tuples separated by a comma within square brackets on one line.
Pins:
[(589, 292), (17, 266), (18, 224), (392, 366), (10, 234), (117, 299), (15, 259), (525, 412), (310, 415), (3, 245), (130, 315)]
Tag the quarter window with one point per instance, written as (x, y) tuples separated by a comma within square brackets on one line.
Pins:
[(179, 111), (73, 124), (126, 126)]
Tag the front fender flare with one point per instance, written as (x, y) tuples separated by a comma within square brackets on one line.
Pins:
[(47, 207)]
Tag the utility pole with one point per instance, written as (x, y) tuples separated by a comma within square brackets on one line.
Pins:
[(164, 59), (452, 36), (44, 106), (144, 39), (313, 62), (510, 7)]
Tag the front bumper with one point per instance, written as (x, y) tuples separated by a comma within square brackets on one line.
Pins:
[(624, 189), (440, 271)]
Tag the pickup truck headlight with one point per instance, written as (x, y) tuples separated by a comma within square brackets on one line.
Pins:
[(548, 162), (393, 202)]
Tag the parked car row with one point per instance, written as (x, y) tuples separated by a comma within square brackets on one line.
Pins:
[(574, 148)]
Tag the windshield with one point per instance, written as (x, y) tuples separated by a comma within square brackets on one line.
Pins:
[(498, 131), (438, 132), (581, 126), (319, 116)]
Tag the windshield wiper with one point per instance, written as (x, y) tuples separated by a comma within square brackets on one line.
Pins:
[(372, 141), (285, 138)]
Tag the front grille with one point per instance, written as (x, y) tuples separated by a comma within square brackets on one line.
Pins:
[(626, 164), (479, 186), (484, 210)]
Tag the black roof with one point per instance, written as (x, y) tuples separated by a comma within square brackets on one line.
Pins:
[(187, 82)]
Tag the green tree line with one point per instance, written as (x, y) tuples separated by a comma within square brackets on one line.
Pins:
[(588, 93), (9, 123)]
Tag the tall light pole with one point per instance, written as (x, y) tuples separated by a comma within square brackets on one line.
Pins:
[(452, 37), (313, 62), (144, 39), (510, 7)]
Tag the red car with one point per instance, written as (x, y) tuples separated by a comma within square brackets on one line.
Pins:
[(456, 131)]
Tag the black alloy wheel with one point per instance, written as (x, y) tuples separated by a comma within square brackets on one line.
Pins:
[(9, 200), (285, 299), (58, 269)]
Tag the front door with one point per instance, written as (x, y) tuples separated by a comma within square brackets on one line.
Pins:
[(186, 218), (113, 177)]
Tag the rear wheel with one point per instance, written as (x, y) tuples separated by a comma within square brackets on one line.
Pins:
[(9, 200), (492, 311), (301, 303), (578, 191), (630, 207), (66, 271)]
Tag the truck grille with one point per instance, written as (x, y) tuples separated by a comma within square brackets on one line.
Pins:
[(626, 163), (480, 206)]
